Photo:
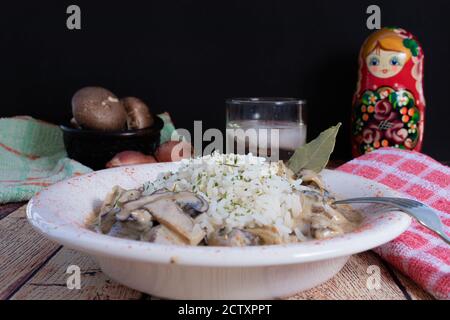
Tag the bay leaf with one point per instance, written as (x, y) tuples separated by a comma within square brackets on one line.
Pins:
[(315, 154)]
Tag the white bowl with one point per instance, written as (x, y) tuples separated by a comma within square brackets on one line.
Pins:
[(185, 272)]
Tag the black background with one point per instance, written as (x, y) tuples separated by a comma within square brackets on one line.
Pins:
[(187, 57)]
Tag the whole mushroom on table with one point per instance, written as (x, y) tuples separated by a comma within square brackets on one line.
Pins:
[(138, 113), (97, 108)]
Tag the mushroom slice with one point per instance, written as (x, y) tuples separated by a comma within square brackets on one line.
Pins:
[(162, 234), (349, 213), (268, 234), (160, 191), (323, 227), (235, 238), (190, 203), (110, 200), (106, 221), (311, 176), (108, 210), (141, 219), (335, 215), (168, 213), (138, 204), (129, 195), (139, 222), (325, 233), (319, 221), (124, 230)]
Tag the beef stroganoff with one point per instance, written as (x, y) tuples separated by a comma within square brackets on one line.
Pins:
[(226, 200)]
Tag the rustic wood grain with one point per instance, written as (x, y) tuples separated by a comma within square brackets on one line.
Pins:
[(51, 281), (22, 252), (351, 283), (7, 208), (412, 289), (34, 268)]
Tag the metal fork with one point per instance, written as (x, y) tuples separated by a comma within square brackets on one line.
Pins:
[(422, 213)]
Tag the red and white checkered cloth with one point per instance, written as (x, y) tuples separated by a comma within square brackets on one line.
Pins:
[(418, 253)]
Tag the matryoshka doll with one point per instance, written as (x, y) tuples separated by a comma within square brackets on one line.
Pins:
[(389, 105)]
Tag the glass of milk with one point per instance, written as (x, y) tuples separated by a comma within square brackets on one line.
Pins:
[(267, 127)]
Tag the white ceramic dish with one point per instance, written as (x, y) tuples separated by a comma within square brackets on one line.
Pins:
[(262, 272)]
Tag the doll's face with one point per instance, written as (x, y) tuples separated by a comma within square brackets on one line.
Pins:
[(385, 64)]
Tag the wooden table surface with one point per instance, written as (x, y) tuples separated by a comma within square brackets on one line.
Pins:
[(32, 267)]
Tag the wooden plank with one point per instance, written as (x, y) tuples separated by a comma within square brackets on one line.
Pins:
[(51, 281), (22, 252), (47, 279), (351, 283), (413, 290), (7, 208)]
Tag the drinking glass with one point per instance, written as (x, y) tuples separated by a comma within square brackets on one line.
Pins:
[(269, 127)]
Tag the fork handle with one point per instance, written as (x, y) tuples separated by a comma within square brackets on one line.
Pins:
[(362, 200)]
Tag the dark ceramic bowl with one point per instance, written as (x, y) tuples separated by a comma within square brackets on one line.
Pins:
[(95, 148)]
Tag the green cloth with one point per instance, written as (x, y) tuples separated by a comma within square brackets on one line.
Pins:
[(32, 157), (167, 132)]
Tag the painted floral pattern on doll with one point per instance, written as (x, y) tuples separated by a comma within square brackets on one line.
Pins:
[(386, 118), (388, 106)]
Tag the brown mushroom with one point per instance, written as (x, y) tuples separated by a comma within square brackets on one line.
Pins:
[(138, 113), (98, 109)]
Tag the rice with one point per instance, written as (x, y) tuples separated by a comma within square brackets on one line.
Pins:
[(243, 191)]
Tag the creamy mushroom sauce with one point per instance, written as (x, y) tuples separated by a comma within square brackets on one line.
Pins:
[(170, 217)]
